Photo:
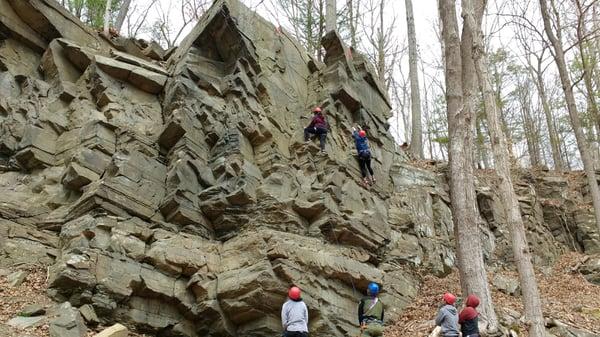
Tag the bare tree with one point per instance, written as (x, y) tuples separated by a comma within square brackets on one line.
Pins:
[(473, 277), (416, 142), (353, 9), (473, 14), (331, 15), (168, 31), (122, 15), (586, 61), (107, 18), (582, 143), (136, 18), (380, 43)]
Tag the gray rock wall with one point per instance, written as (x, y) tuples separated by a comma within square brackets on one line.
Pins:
[(173, 192)]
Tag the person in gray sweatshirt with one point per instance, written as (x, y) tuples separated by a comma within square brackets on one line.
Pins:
[(294, 315), (447, 317)]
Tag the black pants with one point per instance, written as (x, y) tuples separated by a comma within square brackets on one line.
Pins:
[(321, 132), (364, 161), (295, 334)]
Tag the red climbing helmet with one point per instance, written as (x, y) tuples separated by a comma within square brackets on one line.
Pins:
[(362, 133), (317, 109), (449, 298), (294, 293)]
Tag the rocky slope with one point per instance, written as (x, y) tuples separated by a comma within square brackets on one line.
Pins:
[(172, 191)]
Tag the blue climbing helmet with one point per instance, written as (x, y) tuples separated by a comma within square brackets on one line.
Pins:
[(373, 289)]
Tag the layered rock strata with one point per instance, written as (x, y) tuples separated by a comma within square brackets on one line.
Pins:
[(172, 190)]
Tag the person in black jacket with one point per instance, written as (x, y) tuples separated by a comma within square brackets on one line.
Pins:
[(468, 317)]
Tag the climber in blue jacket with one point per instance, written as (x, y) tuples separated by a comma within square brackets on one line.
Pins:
[(364, 154)]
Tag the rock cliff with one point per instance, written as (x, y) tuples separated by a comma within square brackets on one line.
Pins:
[(172, 190)]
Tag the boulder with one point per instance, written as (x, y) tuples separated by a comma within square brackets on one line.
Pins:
[(32, 310), (506, 284), (590, 269), (17, 278), (89, 314), (21, 322), (67, 323), (567, 331)]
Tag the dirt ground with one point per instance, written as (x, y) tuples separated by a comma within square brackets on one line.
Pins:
[(566, 296)]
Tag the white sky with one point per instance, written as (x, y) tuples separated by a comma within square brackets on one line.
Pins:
[(425, 12)]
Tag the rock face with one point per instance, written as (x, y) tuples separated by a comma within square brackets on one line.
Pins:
[(173, 192)]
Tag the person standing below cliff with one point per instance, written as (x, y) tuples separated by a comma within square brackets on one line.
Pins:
[(294, 315), (468, 317), (364, 155), (447, 317), (318, 126), (370, 313)]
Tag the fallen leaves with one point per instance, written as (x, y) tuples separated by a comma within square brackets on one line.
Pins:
[(32, 290), (566, 296)]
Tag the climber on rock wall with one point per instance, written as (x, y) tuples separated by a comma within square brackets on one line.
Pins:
[(447, 317), (364, 154), (294, 315), (318, 126), (370, 312), (468, 317)]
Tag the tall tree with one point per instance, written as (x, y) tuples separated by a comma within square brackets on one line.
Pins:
[(353, 8), (582, 143), (331, 15), (107, 13), (586, 61), (416, 142), (123, 11), (473, 277), (537, 72), (473, 13)]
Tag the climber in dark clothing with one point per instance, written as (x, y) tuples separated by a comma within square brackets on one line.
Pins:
[(468, 317), (364, 155), (317, 126), (370, 313)]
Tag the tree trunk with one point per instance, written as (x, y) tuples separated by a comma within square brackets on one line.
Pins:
[(122, 15), (469, 253), (531, 298), (586, 67), (331, 16), (352, 23), (309, 28), (381, 44), (416, 141), (531, 133), (582, 144), (107, 18), (321, 30), (553, 135)]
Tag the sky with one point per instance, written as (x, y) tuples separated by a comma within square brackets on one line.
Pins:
[(425, 13)]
